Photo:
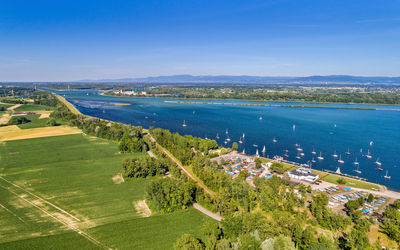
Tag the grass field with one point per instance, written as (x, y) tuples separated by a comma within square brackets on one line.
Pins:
[(58, 192), (349, 181), (36, 122), (13, 132), (4, 105), (32, 107)]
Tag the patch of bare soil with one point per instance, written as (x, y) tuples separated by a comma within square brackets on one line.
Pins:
[(118, 179), (142, 209)]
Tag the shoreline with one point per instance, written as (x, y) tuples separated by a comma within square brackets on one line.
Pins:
[(249, 100), (385, 188)]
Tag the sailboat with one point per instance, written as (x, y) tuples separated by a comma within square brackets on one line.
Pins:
[(334, 154), (312, 160), (263, 150), (368, 155), (338, 171), (274, 140), (386, 176), (358, 171), (298, 156), (320, 156), (294, 127), (356, 162), (313, 152), (184, 123), (228, 139), (243, 136), (240, 140), (217, 137), (260, 118), (340, 159), (243, 151), (348, 151), (257, 154), (226, 131), (371, 143), (379, 164)]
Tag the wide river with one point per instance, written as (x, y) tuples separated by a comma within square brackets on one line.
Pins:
[(351, 133)]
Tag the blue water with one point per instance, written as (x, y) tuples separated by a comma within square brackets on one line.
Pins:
[(324, 130)]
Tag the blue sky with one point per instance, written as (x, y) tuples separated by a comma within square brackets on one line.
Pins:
[(72, 40)]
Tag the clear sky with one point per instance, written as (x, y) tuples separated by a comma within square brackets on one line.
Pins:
[(61, 40)]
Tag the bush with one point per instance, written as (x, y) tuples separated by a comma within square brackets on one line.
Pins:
[(18, 120), (341, 181)]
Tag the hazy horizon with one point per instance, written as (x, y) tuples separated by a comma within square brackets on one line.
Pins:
[(75, 40)]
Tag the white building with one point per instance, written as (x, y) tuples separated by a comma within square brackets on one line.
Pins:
[(303, 174)]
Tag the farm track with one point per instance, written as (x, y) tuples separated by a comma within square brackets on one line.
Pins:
[(47, 208)]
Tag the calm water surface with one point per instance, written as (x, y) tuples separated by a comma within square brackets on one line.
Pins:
[(322, 130)]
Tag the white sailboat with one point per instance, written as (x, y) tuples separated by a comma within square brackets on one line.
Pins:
[(371, 143), (274, 140), (338, 171), (378, 162), (243, 136), (184, 123), (313, 161), (387, 176), (240, 140), (340, 160), (226, 131), (334, 154), (294, 127), (313, 152), (217, 137), (320, 157), (244, 151), (358, 171), (257, 154), (348, 151), (264, 149), (368, 155), (356, 162), (260, 118)]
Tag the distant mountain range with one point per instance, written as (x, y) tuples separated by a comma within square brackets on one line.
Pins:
[(330, 79)]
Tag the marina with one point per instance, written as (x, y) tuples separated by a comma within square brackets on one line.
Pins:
[(313, 129)]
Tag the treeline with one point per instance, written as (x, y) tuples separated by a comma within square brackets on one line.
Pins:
[(182, 147), (294, 94)]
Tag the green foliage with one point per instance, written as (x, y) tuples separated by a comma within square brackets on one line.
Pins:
[(258, 163), (51, 122), (325, 217), (132, 144), (143, 167), (357, 239), (370, 198), (168, 194), (18, 120), (235, 146), (341, 181), (188, 242), (283, 242), (353, 205), (391, 222)]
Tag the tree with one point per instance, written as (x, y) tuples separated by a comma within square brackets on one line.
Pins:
[(357, 239), (370, 198), (283, 242), (341, 181), (188, 242), (235, 146), (258, 163), (51, 122)]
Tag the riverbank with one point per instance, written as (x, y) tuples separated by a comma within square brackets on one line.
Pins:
[(104, 93)]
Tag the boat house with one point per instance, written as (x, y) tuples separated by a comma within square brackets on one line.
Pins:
[(303, 174)]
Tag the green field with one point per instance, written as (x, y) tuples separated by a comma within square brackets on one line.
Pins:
[(35, 122), (350, 182), (51, 188), (32, 107), (5, 105)]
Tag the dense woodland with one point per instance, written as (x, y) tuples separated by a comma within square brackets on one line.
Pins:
[(285, 93), (273, 213)]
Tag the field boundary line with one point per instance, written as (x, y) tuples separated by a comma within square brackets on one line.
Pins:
[(51, 204), (80, 232), (11, 212)]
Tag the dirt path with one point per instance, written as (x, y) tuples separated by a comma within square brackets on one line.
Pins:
[(61, 216), (207, 212), (14, 107), (181, 167)]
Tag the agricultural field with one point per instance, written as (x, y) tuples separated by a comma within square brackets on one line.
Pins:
[(62, 191), (32, 107)]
